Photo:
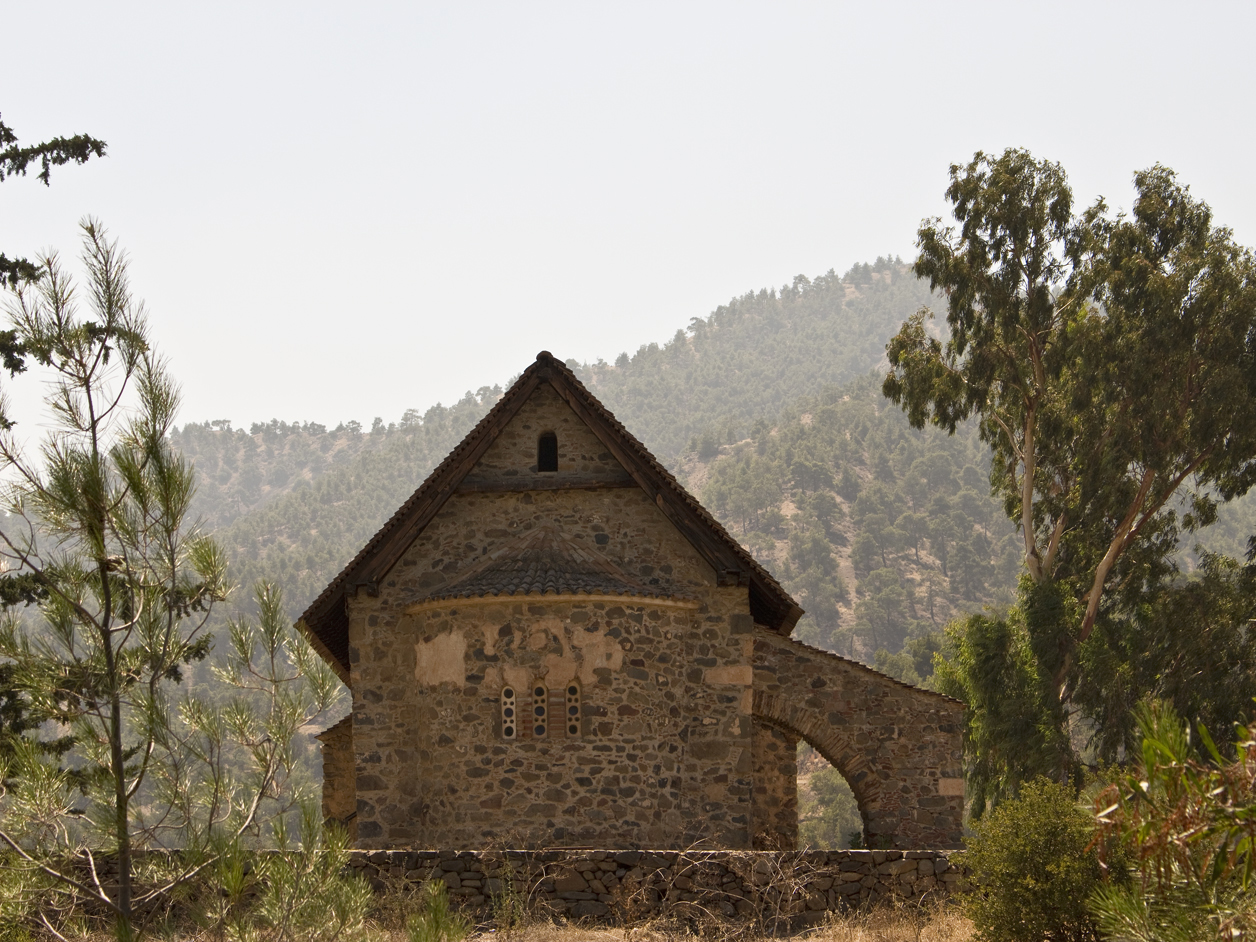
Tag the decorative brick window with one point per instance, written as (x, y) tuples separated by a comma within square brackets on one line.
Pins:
[(510, 716), (573, 709), (547, 452), (540, 711)]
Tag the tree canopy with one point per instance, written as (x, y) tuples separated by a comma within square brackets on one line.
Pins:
[(14, 161), (1110, 362)]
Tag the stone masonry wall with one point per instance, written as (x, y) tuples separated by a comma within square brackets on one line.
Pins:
[(664, 754), (775, 788), (339, 798), (608, 885), (898, 746)]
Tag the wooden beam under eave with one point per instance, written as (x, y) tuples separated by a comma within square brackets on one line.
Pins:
[(321, 650), (520, 486)]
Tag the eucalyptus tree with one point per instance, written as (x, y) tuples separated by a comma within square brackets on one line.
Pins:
[(1110, 363), (120, 585)]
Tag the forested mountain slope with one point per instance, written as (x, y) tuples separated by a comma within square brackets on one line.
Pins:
[(754, 355), (304, 536), (294, 502), (768, 410), (882, 532)]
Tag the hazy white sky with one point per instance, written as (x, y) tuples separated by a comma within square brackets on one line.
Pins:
[(339, 211)]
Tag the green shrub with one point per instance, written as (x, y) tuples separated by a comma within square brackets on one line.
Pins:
[(1031, 868), (300, 891), (437, 922)]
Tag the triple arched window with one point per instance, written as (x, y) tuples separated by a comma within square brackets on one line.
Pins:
[(536, 713)]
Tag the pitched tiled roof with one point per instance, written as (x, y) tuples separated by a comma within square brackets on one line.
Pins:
[(326, 620), (543, 561)]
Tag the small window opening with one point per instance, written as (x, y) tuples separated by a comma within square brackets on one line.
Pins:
[(573, 710), (510, 719), (540, 708), (547, 452)]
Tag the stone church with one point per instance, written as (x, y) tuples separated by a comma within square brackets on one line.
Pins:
[(552, 644)]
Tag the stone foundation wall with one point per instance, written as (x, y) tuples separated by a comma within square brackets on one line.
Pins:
[(608, 885)]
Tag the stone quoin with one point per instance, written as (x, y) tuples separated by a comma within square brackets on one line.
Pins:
[(552, 644)]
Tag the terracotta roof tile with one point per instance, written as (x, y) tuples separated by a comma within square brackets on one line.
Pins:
[(544, 561)]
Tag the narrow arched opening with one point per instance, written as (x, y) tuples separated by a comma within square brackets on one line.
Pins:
[(828, 813), (547, 452), (850, 764)]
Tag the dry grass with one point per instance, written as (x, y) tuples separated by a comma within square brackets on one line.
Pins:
[(892, 921), (880, 925), (884, 924)]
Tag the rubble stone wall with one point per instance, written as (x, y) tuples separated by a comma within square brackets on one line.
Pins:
[(339, 800), (663, 756), (608, 885), (775, 788)]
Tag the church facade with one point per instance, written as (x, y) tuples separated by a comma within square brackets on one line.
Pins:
[(552, 644)]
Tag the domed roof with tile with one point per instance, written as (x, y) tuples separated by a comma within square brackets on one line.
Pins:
[(543, 561)]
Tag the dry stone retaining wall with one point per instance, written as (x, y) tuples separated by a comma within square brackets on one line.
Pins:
[(609, 885)]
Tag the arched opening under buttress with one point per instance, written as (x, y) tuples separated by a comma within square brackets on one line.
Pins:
[(828, 814), (778, 718)]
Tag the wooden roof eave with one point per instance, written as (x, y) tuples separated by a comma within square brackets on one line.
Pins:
[(341, 670), (382, 551)]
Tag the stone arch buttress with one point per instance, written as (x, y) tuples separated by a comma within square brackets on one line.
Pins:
[(780, 713), (898, 746)]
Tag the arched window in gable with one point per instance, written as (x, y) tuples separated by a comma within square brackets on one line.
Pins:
[(547, 452)]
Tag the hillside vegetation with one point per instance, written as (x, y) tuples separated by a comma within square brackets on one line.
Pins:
[(754, 355), (881, 532), (768, 409), (294, 502)]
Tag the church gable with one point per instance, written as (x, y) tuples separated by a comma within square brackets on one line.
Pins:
[(586, 529), (592, 451)]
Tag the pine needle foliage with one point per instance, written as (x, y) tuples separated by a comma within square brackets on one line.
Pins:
[(112, 585), (437, 921)]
